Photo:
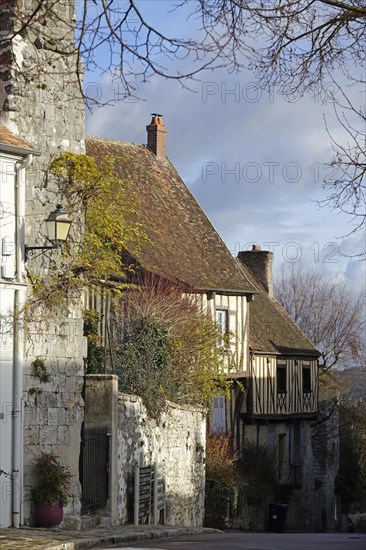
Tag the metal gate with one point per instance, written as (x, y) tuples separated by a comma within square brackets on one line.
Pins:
[(94, 468)]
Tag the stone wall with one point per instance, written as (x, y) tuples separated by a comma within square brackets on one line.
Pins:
[(295, 483), (54, 408), (177, 444), (41, 102), (326, 462)]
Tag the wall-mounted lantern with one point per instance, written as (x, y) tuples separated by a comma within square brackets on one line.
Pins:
[(58, 226)]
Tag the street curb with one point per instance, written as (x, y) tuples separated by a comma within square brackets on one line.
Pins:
[(130, 537)]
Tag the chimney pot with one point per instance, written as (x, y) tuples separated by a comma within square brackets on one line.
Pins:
[(256, 247), (157, 119)]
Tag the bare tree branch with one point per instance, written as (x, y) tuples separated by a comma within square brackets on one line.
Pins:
[(328, 312), (299, 46)]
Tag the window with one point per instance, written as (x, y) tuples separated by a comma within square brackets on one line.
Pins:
[(222, 322), (271, 437), (218, 415), (306, 379), (297, 443), (281, 379), (281, 458)]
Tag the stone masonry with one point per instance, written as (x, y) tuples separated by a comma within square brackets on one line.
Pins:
[(40, 101), (325, 439), (175, 442)]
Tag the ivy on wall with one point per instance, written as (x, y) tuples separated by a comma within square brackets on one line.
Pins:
[(104, 224)]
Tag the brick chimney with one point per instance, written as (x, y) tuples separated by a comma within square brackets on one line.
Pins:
[(156, 136), (259, 262)]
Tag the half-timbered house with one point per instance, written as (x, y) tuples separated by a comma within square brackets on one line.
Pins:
[(281, 390), (273, 360), (182, 246)]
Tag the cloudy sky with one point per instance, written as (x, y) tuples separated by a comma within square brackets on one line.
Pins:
[(254, 161)]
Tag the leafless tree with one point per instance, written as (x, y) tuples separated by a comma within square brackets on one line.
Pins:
[(327, 311), (299, 46), (307, 46), (333, 317), (348, 185)]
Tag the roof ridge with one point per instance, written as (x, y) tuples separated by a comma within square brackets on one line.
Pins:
[(272, 302), (108, 140), (187, 246), (283, 311)]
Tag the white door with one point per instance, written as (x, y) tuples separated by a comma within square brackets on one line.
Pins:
[(6, 398)]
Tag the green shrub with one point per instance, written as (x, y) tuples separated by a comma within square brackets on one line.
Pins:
[(165, 348), (53, 480)]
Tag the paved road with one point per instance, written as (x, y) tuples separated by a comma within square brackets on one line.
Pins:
[(255, 541)]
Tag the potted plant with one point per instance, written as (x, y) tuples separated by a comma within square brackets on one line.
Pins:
[(52, 491)]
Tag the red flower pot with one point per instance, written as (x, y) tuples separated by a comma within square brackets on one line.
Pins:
[(49, 514)]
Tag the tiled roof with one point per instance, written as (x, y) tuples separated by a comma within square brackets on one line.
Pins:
[(9, 139), (184, 245), (271, 329)]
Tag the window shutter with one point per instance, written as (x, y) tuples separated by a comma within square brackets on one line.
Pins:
[(292, 444), (271, 438), (302, 442), (218, 420)]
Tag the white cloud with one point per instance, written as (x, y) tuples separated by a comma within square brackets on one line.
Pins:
[(287, 143)]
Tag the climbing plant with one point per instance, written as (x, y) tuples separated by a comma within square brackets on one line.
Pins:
[(105, 224)]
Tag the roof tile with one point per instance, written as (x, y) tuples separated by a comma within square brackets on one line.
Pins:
[(184, 245), (271, 329), (11, 140)]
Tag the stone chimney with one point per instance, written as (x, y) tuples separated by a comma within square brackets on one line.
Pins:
[(259, 262), (156, 136)]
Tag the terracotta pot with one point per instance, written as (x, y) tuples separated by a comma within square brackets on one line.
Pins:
[(49, 514)]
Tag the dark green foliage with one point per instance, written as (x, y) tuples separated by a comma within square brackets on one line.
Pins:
[(53, 480), (219, 504), (91, 322), (232, 479), (39, 370), (161, 346), (349, 479), (145, 363), (165, 349)]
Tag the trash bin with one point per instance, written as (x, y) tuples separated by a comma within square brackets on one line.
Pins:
[(277, 517)]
